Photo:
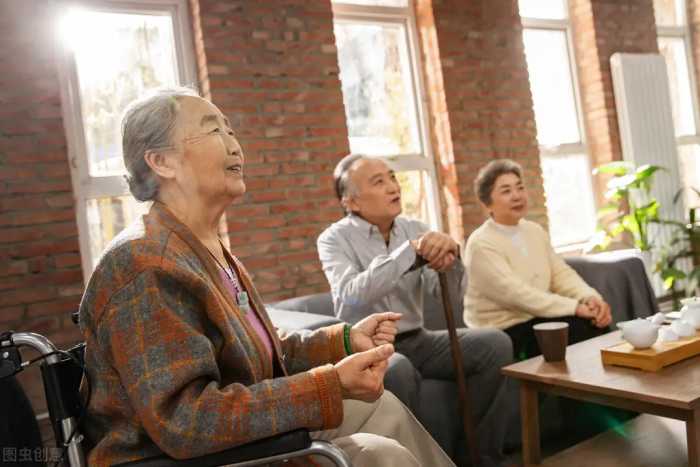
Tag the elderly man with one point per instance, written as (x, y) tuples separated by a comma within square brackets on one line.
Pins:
[(376, 260), (181, 354)]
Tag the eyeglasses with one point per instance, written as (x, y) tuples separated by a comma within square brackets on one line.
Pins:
[(215, 132), (193, 139)]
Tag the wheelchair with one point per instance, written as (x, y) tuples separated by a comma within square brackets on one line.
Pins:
[(62, 371)]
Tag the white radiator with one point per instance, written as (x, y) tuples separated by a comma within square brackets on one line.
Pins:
[(644, 115)]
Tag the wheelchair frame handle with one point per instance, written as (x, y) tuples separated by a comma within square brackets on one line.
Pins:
[(68, 428)]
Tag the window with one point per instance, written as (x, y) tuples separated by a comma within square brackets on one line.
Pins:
[(376, 41), (111, 54), (563, 154), (674, 44)]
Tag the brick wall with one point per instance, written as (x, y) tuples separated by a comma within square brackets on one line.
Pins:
[(272, 68), (487, 95), (601, 28), (40, 275), (439, 120)]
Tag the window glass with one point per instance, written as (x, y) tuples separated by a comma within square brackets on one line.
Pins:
[(113, 56), (382, 98), (118, 58), (673, 50), (414, 194), (570, 206), (689, 158), (377, 88), (552, 86), (108, 216), (546, 9), (669, 12)]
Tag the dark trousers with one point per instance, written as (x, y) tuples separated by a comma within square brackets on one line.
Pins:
[(484, 352), (524, 341)]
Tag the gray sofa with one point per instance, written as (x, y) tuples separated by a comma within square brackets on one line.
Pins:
[(622, 282)]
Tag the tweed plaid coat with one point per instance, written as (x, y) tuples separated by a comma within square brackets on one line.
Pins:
[(175, 367)]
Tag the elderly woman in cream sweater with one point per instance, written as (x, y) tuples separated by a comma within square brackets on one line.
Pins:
[(516, 279)]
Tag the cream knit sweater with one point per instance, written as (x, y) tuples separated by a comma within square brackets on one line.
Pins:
[(514, 275)]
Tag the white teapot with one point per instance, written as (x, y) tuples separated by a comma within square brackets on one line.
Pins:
[(641, 333), (691, 311)]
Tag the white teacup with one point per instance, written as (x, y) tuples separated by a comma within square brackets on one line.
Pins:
[(683, 328), (640, 332), (666, 334), (691, 301), (691, 311)]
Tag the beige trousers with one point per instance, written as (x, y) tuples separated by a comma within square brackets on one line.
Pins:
[(383, 434)]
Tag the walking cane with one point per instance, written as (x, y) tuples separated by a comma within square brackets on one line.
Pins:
[(467, 421)]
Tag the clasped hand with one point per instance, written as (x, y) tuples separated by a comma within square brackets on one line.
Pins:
[(596, 310), (438, 249), (362, 373)]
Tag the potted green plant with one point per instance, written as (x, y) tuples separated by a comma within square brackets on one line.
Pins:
[(684, 245), (630, 207)]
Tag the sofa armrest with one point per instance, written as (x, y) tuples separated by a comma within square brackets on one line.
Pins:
[(291, 320), (320, 304), (622, 282)]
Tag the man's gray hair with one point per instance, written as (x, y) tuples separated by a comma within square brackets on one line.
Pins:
[(147, 125), (341, 176)]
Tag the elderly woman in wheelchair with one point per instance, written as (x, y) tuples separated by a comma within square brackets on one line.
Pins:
[(181, 357)]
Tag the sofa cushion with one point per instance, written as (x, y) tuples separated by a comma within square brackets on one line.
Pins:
[(291, 320), (320, 303)]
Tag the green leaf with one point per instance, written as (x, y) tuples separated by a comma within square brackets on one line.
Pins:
[(617, 168), (677, 195), (623, 182), (629, 223), (646, 171), (616, 229), (671, 275)]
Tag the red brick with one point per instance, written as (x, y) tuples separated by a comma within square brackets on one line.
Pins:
[(32, 295), (266, 222), (267, 196), (19, 218), (57, 307), (39, 186), (12, 314)]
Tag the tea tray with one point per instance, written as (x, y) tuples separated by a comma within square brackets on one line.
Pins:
[(659, 355)]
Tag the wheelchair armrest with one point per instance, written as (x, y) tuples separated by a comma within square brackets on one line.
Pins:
[(274, 445)]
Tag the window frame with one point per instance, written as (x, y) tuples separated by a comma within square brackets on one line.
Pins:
[(682, 32), (424, 160), (85, 186), (565, 149)]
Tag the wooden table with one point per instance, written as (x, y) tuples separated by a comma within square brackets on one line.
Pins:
[(672, 392)]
